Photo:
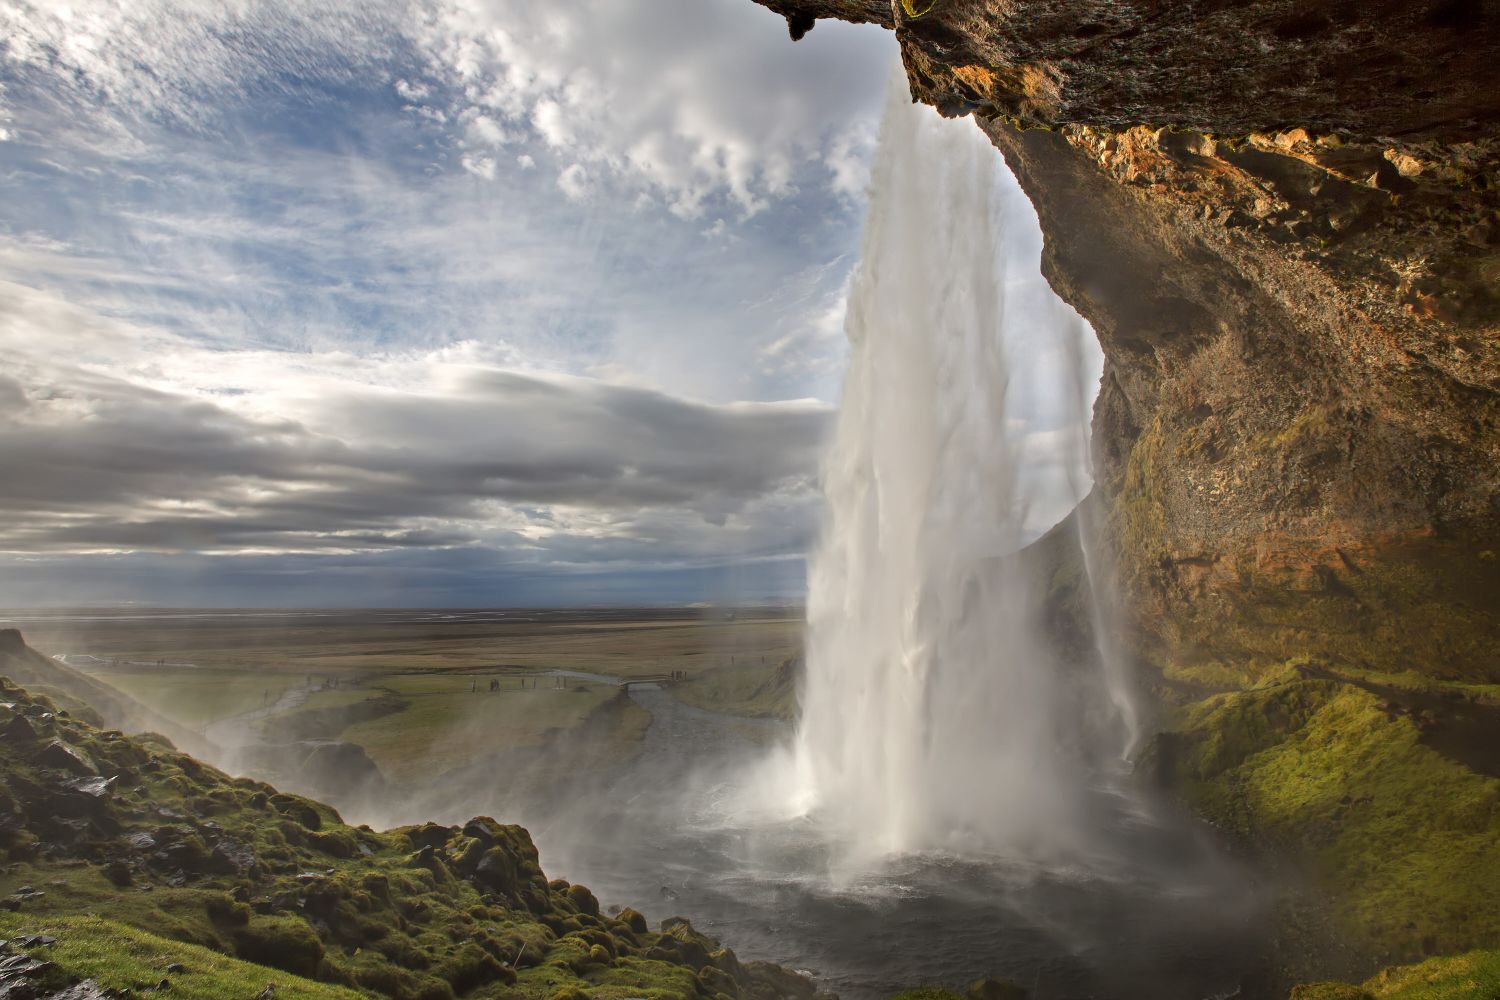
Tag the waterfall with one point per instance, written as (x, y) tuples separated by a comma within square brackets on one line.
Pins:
[(932, 718)]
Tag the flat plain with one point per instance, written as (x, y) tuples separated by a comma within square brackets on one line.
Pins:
[(402, 684)]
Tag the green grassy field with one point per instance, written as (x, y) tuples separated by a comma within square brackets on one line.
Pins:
[(412, 688), (618, 643), (195, 697), (444, 715)]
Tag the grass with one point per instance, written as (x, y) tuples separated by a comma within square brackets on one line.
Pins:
[(443, 713), (178, 857), (1472, 976), (195, 697), (622, 644), (121, 957), (1340, 779), (751, 687), (243, 662)]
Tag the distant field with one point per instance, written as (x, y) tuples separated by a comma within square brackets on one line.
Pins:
[(413, 687), (445, 721), (617, 642), (195, 697)]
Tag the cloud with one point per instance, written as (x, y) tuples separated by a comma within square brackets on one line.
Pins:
[(411, 451), (652, 93), (691, 100), (574, 182), (191, 62), (410, 282)]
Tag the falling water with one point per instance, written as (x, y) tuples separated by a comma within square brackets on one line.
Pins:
[(933, 719)]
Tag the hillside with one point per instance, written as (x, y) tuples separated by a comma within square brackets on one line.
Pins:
[(90, 699), (146, 865)]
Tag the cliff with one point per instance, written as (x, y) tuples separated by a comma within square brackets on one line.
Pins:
[(1282, 220)]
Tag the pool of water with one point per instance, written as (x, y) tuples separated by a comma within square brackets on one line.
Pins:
[(1154, 911)]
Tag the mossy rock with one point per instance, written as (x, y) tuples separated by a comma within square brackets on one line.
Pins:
[(1338, 778), (929, 993), (285, 943), (585, 900), (633, 919)]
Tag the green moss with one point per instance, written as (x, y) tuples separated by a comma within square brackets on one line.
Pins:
[(1333, 775), (1472, 976), (282, 943), (1138, 520), (419, 913), (1329, 991), (1310, 423)]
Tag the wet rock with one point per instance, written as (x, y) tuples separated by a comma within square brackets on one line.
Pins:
[(16, 973), (237, 857), (496, 872), (82, 797), (94, 788), (483, 829), (20, 730), (765, 979), (63, 757), (35, 941)]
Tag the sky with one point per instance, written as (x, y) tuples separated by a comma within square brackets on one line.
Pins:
[(421, 302)]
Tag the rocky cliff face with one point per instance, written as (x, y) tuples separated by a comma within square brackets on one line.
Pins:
[(1283, 221)]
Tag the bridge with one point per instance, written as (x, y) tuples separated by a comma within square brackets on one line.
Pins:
[(654, 680)]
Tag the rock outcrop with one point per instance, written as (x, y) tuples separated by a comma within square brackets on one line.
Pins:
[(1283, 221)]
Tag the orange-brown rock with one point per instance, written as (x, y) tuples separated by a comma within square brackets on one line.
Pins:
[(1283, 221)]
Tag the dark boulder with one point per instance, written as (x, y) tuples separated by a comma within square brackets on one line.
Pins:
[(63, 757)]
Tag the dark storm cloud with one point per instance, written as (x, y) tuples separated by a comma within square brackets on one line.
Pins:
[(101, 463)]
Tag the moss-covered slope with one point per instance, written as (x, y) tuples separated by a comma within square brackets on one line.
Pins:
[(86, 697), (110, 838), (1380, 803)]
